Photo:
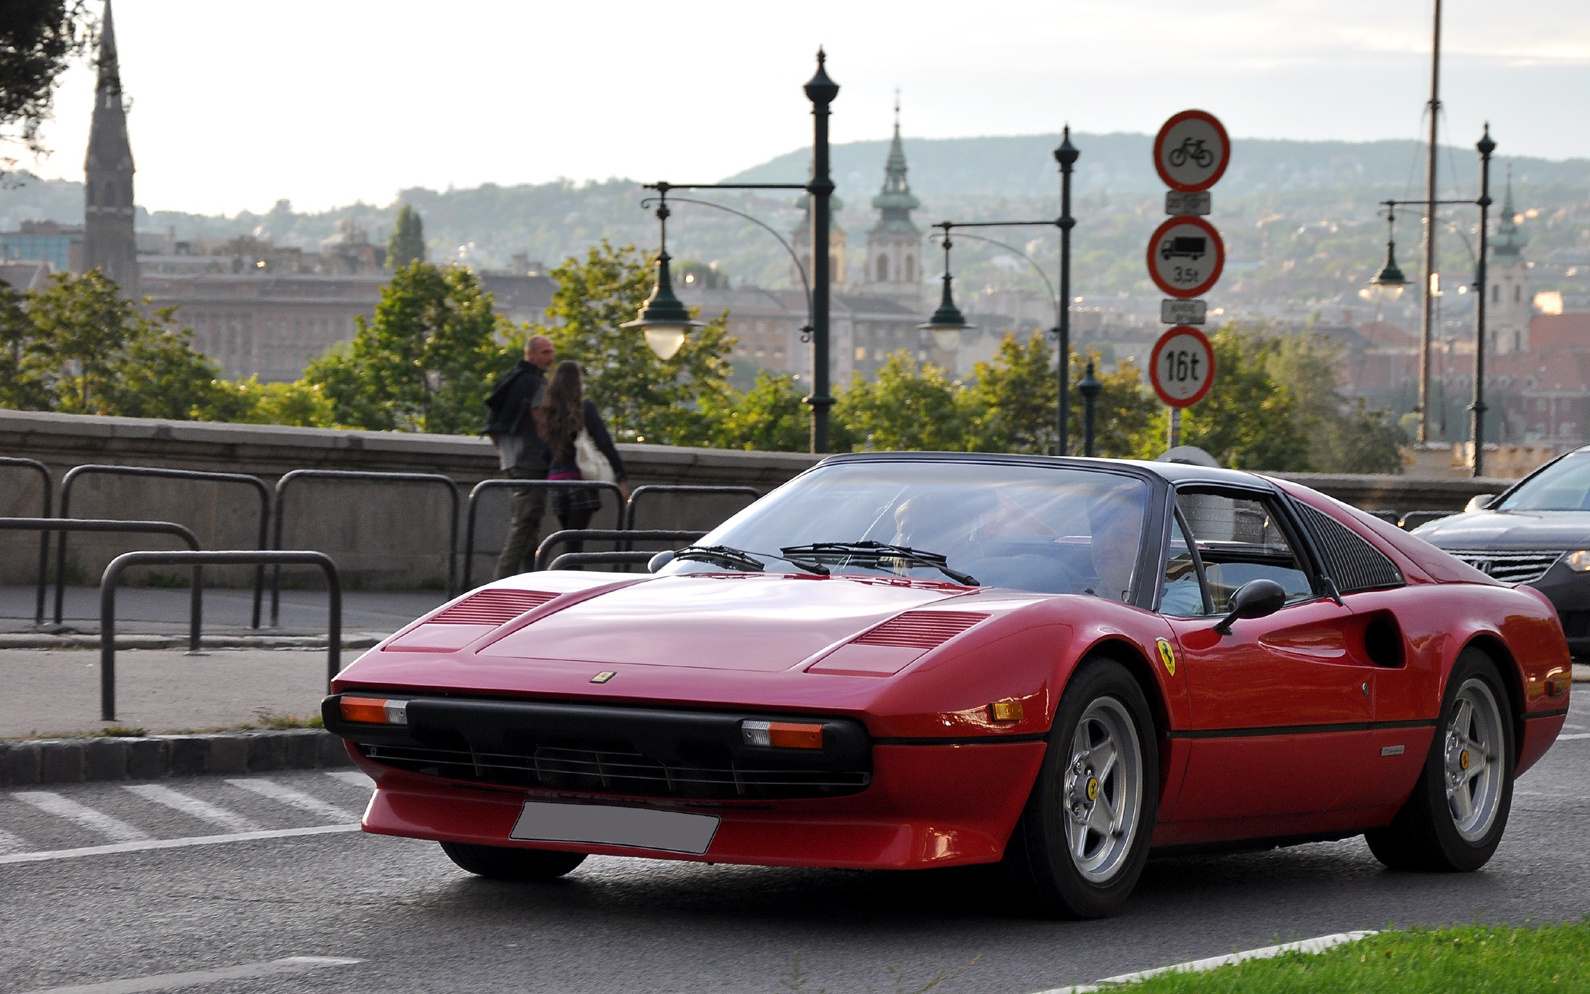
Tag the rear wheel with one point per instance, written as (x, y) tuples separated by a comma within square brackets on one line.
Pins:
[(504, 863), (1456, 815), (1083, 839)]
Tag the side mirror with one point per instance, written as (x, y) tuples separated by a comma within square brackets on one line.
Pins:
[(1479, 502), (1254, 599), (660, 560)]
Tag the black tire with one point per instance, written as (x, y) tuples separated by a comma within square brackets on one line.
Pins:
[(504, 863), (1102, 705), (1455, 817)]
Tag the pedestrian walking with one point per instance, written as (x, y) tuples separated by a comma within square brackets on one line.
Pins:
[(512, 412), (580, 447)]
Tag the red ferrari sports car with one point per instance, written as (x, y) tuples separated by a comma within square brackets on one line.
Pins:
[(921, 660)]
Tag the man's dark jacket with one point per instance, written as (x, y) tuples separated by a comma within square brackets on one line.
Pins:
[(507, 408)]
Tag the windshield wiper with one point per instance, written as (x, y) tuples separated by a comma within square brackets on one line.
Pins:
[(725, 555), (882, 550)]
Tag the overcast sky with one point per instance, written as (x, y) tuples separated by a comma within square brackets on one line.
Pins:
[(332, 101)]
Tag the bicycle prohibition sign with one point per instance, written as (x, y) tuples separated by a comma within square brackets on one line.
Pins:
[(1191, 151)]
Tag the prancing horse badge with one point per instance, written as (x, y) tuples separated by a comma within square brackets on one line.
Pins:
[(1167, 655)]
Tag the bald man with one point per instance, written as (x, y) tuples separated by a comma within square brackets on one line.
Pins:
[(510, 424)]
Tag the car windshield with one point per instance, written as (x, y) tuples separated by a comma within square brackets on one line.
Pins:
[(1040, 528), (1564, 486)]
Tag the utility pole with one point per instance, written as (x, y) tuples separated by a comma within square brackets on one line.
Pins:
[(1426, 321)]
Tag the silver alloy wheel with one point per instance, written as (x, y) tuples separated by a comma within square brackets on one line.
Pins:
[(1473, 754), (1103, 790)]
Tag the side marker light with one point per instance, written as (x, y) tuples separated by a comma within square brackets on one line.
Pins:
[(782, 734), (1006, 711), (1557, 684), (374, 710)]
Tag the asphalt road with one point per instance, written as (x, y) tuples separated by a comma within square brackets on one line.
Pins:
[(250, 914)]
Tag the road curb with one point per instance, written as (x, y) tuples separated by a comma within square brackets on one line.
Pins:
[(31, 762), (44, 640)]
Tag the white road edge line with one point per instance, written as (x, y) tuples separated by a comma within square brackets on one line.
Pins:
[(151, 844), (1575, 735), (1315, 945), (172, 981)]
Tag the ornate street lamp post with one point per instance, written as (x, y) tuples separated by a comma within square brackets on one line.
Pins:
[(1389, 282), (665, 326), (1066, 155)]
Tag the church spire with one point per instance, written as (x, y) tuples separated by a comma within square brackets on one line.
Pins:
[(1508, 240), (895, 201), (109, 242)]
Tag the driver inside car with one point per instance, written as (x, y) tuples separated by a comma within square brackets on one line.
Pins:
[(1116, 522)]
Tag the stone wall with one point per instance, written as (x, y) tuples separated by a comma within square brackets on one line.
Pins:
[(393, 535), (381, 535)]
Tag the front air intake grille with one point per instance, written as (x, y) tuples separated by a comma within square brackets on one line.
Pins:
[(921, 629), (1351, 561), (1509, 567), (491, 607), (620, 771)]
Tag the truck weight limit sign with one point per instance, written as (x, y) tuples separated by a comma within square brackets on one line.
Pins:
[(1185, 256), (1182, 367)]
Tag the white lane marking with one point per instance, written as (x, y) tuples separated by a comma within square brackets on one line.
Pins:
[(294, 798), (353, 777), (193, 807), (1315, 945), (80, 814), (1576, 735), (10, 843), (152, 844), (172, 981)]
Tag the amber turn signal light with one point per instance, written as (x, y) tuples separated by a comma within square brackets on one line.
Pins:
[(1006, 711), (782, 734), (1557, 684), (374, 710)]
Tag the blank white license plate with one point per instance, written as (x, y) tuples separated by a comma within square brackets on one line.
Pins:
[(642, 828)]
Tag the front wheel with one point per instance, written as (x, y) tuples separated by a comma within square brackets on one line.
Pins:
[(1456, 815), (505, 863), (1083, 839)]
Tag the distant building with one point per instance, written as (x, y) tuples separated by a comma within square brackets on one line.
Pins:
[(58, 245), (109, 241)]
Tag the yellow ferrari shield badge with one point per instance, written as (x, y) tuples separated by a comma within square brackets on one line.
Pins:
[(1167, 655)]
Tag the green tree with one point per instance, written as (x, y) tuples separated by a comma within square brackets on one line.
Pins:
[(905, 408), (642, 397), (407, 244), (425, 363), (1342, 437), (1013, 401), (769, 417), (91, 351), (1247, 421), (249, 401), (1127, 417), (20, 389), (37, 40)]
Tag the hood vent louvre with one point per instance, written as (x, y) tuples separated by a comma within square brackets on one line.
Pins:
[(491, 607), (921, 629)]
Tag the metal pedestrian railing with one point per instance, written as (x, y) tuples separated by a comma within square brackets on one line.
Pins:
[(44, 537), (47, 525), (645, 494), (107, 603), (485, 485), (96, 469), (571, 559), (430, 479), (568, 535)]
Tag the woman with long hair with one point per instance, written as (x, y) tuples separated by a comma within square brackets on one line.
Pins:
[(564, 413)]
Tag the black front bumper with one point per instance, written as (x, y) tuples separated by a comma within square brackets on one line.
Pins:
[(1569, 593), (636, 752)]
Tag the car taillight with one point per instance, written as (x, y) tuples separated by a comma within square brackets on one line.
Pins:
[(374, 710), (782, 734)]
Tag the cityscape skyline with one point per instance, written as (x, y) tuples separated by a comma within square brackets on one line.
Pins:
[(477, 109)]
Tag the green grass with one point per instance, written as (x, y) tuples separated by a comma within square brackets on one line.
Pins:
[(1472, 959)]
